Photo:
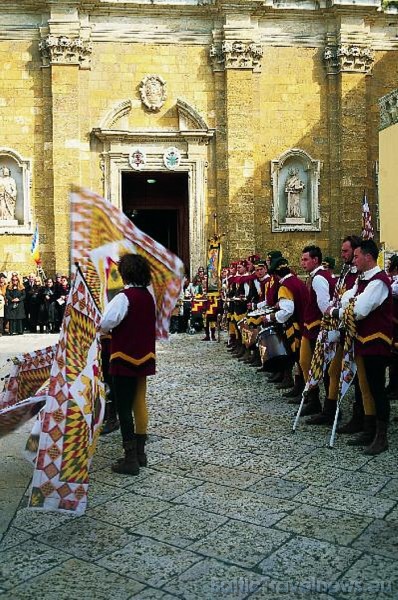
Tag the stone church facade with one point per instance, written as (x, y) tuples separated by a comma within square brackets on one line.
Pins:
[(264, 113)]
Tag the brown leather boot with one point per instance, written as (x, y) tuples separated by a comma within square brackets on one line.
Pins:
[(368, 434), (129, 465), (141, 456), (276, 377), (380, 442), (297, 389), (326, 417), (245, 356), (313, 405), (241, 352), (287, 381), (355, 424)]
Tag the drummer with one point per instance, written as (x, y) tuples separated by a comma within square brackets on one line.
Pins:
[(231, 286), (292, 299), (272, 288), (240, 305), (321, 285)]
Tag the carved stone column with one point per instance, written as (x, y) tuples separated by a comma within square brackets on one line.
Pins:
[(62, 56), (348, 67), (236, 56)]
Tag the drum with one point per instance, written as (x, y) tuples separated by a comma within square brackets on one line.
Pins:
[(249, 334), (199, 305), (272, 346)]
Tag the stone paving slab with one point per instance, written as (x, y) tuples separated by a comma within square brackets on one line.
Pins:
[(232, 505), (325, 524), (82, 576), (180, 525), (301, 556), (150, 561)]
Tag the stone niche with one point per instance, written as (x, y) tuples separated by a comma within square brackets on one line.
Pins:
[(295, 183), (14, 193)]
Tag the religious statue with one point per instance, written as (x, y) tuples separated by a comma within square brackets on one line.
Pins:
[(294, 186), (8, 195)]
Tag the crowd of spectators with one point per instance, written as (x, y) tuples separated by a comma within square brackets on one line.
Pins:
[(29, 304)]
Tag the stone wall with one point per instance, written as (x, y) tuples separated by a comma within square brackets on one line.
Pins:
[(258, 81)]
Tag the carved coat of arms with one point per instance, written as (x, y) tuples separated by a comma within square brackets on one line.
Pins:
[(172, 158), (153, 92), (137, 158)]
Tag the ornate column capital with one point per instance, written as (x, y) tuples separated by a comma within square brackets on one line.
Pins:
[(63, 50), (388, 109), (236, 54), (348, 58)]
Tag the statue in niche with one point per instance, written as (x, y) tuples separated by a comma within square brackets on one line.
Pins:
[(8, 195), (293, 188)]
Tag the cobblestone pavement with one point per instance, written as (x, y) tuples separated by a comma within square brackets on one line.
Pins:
[(232, 505)]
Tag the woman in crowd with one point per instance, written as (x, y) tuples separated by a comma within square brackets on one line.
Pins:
[(33, 301), (15, 309), (47, 315)]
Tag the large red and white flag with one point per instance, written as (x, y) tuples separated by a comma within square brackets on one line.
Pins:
[(74, 408), (101, 234), (21, 399)]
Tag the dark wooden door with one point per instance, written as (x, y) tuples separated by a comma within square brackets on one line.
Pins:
[(157, 203)]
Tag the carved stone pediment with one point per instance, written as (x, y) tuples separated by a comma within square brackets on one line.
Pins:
[(64, 50), (235, 54), (388, 109), (153, 92), (348, 58)]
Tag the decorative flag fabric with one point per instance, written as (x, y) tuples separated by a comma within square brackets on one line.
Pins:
[(349, 367), (324, 352), (214, 260), (101, 234), (74, 409), (367, 227), (21, 396), (34, 249)]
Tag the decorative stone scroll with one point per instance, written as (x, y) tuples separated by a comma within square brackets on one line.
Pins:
[(295, 182), (388, 109), (64, 50), (231, 54), (349, 59), (153, 92)]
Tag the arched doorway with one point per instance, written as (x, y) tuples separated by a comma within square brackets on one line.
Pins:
[(157, 203)]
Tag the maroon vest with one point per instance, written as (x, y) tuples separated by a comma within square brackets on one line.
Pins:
[(374, 332), (345, 282), (271, 291), (133, 340), (263, 286), (313, 315), (300, 295)]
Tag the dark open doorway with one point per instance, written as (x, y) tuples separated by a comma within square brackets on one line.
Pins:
[(157, 203)]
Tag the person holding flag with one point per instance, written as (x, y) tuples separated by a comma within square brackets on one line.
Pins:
[(131, 317), (370, 302)]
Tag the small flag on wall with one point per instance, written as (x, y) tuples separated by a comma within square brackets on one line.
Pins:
[(367, 227), (34, 249)]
